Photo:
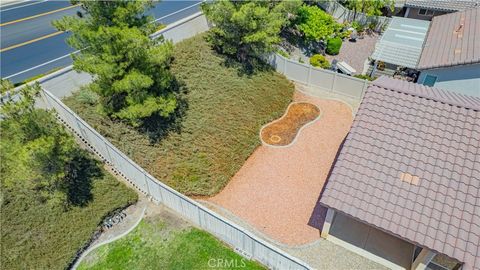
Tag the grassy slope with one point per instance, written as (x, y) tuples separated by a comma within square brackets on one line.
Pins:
[(38, 236), (220, 127), (155, 244)]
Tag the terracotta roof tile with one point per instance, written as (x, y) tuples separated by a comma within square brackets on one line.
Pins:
[(444, 5), (428, 134), (450, 34)]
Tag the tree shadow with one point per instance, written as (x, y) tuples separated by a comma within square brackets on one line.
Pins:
[(157, 127), (292, 40), (81, 172), (248, 67)]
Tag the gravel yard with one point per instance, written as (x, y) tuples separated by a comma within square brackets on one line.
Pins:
[(277, 189)]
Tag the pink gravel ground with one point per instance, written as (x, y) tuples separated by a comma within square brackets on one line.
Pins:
[(277, 189)]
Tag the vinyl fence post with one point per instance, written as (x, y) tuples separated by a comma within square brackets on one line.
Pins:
[(108, 153), (334, 82), (45, 99), (365, 85), (309, 75), (145, 178)]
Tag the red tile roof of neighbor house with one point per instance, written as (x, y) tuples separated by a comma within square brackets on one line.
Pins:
[(411, 166), (453, 39), (445, 5)]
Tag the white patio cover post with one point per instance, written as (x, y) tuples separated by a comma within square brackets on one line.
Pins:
[(327, 223), (423, 259)]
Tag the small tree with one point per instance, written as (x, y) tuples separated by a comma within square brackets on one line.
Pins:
[(369, 7), (131, 71), (315, 24), (35, 150), (247, 30), (333, 45), (318, 60)]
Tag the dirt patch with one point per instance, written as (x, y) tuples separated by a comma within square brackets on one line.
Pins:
[(283, 131)]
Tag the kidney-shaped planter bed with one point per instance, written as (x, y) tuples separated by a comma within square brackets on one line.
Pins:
[(283, 131)]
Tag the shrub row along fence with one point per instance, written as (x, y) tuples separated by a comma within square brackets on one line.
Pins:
[(343, 14), (243, 241), (320, 79)]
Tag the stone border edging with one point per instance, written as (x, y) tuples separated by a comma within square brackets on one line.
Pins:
[(79, 260), (299, 130)]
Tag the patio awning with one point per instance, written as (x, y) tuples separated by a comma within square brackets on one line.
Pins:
[(402, 42)]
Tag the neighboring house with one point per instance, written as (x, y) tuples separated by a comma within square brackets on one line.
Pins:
[(426, 9), (406, 183), (451, 55)]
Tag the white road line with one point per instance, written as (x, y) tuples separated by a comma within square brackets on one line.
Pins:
[(41, 65), (61, 57), (178, 11), (31, 4)]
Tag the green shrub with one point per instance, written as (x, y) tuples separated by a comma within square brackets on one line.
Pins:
[(87, 96), (364, 77), (333, 45), (283, 53), (315, 24), (344, 34), (357, 26), (319, 60)]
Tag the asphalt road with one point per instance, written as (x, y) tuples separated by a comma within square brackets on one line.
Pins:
[(30, 45)]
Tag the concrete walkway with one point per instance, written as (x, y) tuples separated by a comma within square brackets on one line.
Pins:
[(134, 213)]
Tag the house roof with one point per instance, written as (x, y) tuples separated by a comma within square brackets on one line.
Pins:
[(453, 39), (410, 166), (401, 43), (444, 5)]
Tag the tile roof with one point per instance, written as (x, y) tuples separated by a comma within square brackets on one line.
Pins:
[(411, 166), (453, 39), (444, 5), (402, 42)]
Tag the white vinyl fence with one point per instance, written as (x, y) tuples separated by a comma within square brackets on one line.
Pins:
[(343, 14), (244, 241), (185, 28), (320, 78)]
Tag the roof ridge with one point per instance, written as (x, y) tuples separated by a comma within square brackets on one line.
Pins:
[(431, 93)]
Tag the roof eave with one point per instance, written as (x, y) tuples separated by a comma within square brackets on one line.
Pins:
[(387, 231)]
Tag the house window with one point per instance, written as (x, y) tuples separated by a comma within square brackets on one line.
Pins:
[(425, 12), (430, 80)]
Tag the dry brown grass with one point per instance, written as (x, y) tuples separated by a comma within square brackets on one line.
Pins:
[(223, 113)]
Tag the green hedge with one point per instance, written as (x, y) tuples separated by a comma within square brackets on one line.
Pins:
[(334, 45), (319, 60)]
